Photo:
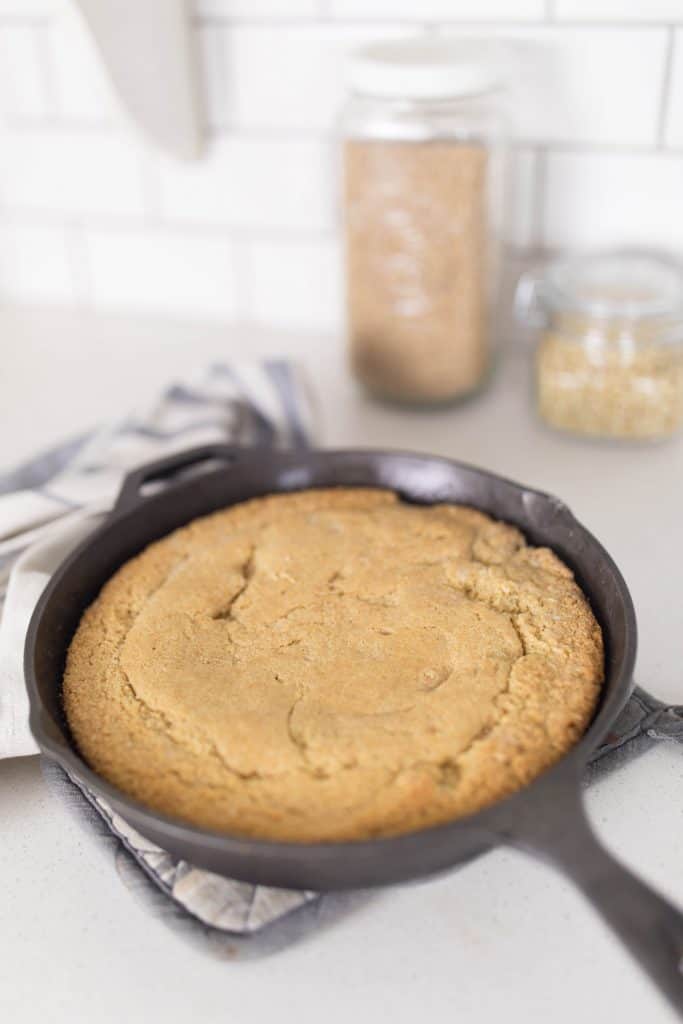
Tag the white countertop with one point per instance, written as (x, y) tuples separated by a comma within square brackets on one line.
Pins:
[(503, 937)]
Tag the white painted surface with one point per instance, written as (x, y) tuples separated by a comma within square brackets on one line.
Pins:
[(72, 173), (158, 271), (580, 85), (35, 263), (252, 183), (82, 90), (619, 10), (520, 227), (29, 8), (503, 938), (613, 199), (292, 78), (22, 88), (294, 282)]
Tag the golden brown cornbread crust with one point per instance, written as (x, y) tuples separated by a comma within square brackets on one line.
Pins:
[(332, 664)]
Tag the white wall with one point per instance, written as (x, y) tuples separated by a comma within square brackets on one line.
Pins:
[(90, 216)]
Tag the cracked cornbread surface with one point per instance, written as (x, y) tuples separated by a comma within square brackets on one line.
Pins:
[(332, 664)]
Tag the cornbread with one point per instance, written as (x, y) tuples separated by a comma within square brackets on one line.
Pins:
[(332, 664)]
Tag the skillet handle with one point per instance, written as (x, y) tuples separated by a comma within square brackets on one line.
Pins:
[(129, 496), (648, 925)]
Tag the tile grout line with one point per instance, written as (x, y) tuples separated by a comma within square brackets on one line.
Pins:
[(667, 79), (548, 20), (601, 148), (326, 19), (313, 134), (57, 123), (131, 224)]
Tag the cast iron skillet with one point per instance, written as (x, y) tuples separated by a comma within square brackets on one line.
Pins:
[(546, 818)]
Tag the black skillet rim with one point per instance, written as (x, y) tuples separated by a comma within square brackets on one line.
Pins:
[(489, 822)]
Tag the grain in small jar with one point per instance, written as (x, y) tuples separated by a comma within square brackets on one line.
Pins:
[(423, 140), (609, 358)]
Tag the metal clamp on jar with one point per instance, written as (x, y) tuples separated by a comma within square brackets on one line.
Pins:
[(423, 144), (609, 361)]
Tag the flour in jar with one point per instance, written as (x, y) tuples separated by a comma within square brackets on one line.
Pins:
[(416, 256)]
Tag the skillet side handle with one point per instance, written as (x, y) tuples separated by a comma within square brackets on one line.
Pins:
[(168, 466), (648, 925)]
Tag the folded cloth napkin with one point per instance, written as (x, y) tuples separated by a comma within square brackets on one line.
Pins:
[(52, 502)]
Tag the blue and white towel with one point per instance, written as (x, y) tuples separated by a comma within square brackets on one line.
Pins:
[(47, 506)]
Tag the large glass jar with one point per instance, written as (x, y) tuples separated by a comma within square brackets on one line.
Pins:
[(609, 359), (424, 141)]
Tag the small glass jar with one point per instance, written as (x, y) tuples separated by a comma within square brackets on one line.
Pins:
[(609, 360), (424, 138)]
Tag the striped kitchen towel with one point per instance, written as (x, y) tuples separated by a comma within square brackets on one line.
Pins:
[(48, 504), (52, 502)]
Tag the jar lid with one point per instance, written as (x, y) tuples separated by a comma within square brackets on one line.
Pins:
[(618, 284), (422, 69)]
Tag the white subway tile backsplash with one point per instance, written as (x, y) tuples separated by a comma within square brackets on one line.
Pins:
[(254, 9), (592, 85), (613, 199), (81, 85), (249, 229), (442, 10), (29, 8), (66, 172), (294, 284), (162, 272), (620, 10), (674, 119), (35, 264), (569, 85), (258, 183), (521, 227), (292, 77), (22, 84)]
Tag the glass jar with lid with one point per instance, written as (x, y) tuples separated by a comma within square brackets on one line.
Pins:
[(424, 137), (609, 360)]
